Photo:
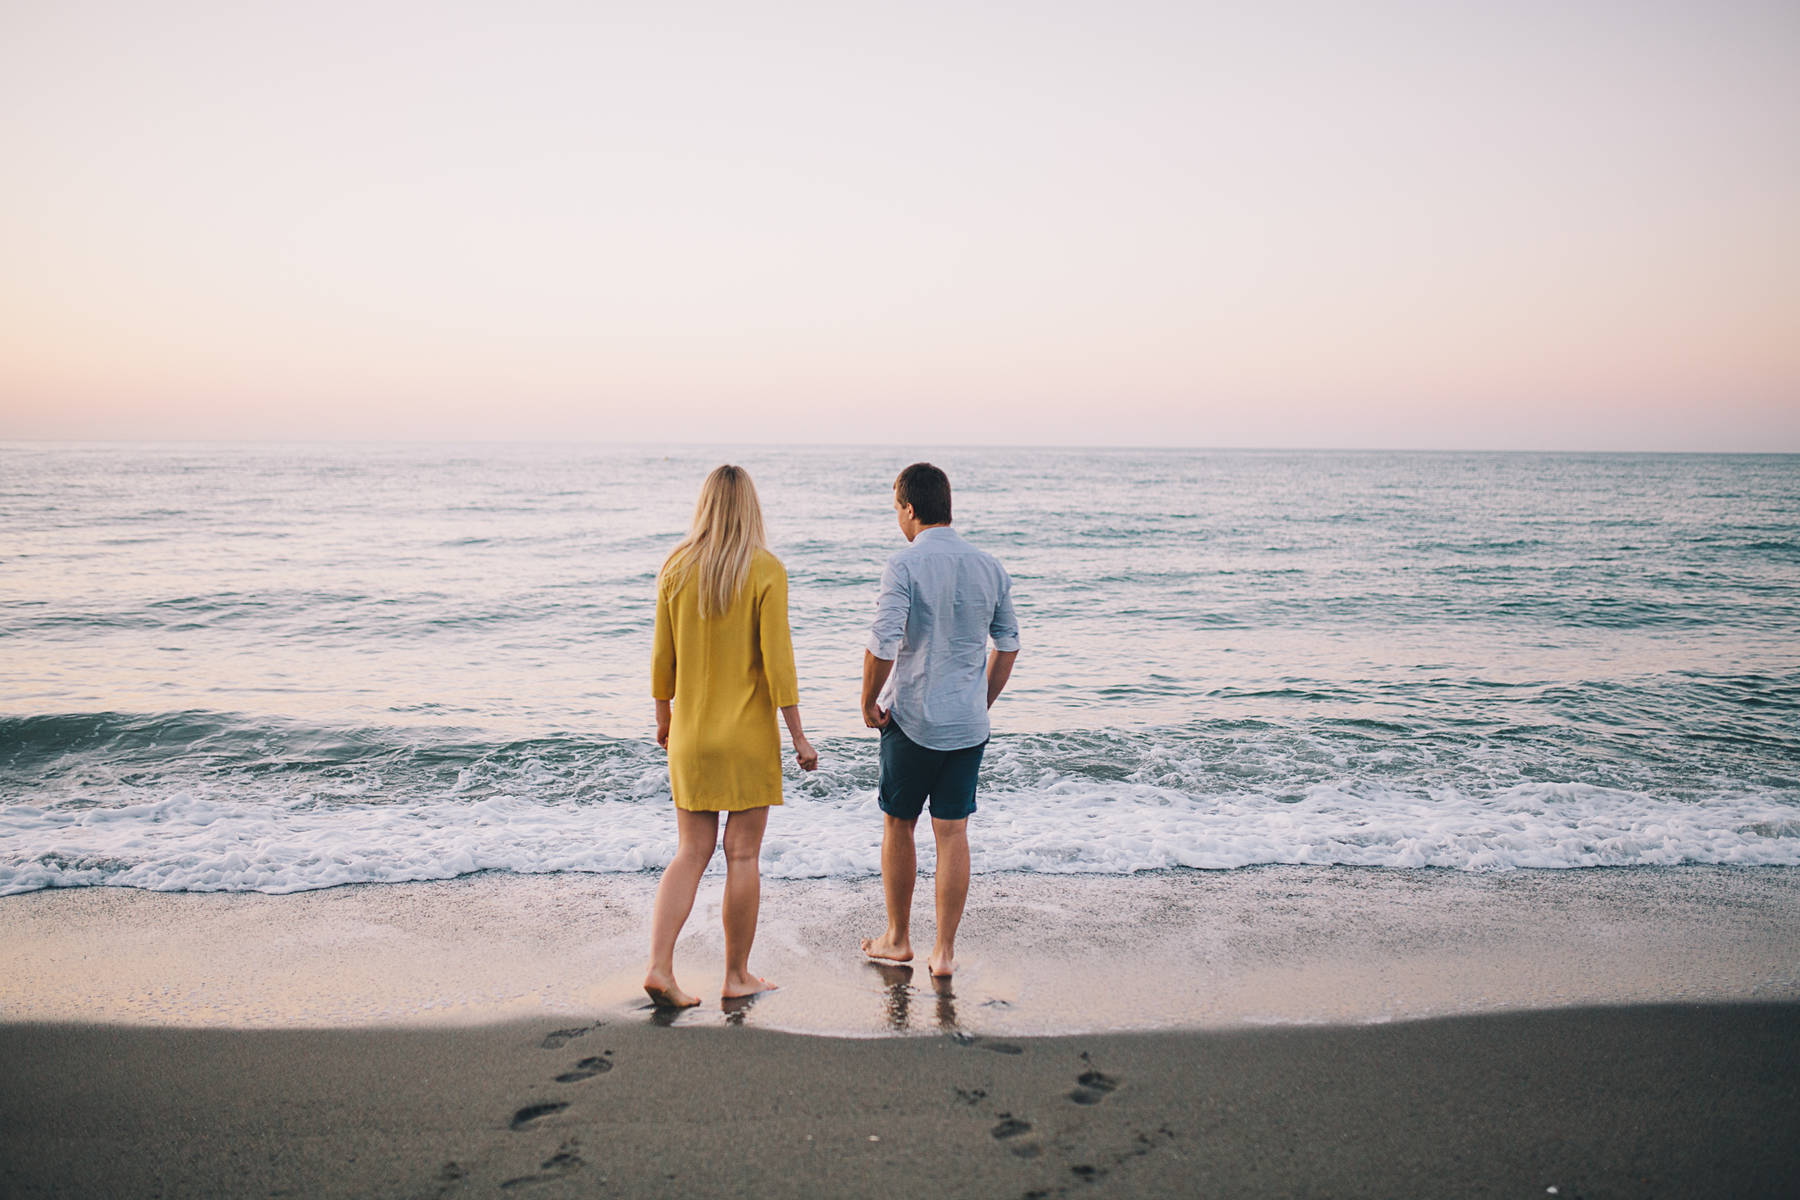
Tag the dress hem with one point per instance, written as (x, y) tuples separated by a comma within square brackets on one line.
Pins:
[(726, 807)]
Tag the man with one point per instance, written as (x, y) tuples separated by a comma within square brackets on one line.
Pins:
[(928, 682)]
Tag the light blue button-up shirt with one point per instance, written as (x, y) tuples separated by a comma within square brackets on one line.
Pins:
[(941, 599)]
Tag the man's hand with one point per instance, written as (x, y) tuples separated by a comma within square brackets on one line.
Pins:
[(662, 723), (875, 674)]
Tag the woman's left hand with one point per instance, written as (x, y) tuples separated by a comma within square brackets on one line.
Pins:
[(809, 758)]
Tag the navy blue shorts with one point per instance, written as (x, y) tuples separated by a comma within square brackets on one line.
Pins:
[(911, 774)]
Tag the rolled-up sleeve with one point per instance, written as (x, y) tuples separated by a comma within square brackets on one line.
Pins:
[(662, 658), (889, 629), (777, 643), (1004, 627)]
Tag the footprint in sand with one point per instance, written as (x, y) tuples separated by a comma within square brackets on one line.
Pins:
[(1010, 1130), (1091, 1087), (564, 1162), (969, 1039), (562, 1037), (587, 1068), (532, 1113), (1010, 1127)]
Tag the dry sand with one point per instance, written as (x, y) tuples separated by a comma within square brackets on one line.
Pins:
[(1650, 1101)]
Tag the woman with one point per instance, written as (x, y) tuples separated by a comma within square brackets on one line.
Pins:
[(723, 664)]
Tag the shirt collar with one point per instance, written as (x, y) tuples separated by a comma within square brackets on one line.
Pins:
[(936, 529)]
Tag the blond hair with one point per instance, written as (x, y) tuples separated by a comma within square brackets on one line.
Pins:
[(726, 534)]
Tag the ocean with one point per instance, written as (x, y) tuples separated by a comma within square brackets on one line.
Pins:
[(283, 668)]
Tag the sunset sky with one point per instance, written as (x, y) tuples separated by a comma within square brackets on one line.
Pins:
[(1519, 225)]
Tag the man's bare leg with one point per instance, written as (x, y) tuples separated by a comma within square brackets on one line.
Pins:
[(743, 895), (697, 833), (952, 891), (899, 870)]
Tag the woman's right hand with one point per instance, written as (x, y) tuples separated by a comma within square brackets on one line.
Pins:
[(809, 758), (662, 723)]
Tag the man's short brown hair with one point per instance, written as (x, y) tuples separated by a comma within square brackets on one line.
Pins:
[(927, 489)]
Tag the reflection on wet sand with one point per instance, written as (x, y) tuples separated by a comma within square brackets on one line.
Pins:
[(897, 995), (665, 1016), (737, 1007), (946, 1002)]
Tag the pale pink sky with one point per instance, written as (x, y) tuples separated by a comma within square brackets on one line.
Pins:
[(1508, 225)]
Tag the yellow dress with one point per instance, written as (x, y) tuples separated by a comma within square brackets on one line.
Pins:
[(726, 675)]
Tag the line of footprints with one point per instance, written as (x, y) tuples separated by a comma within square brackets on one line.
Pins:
[(1091, 1087), (567, 1159)]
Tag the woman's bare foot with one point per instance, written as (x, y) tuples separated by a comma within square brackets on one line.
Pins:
[(942, 965), (748, 985), (887, 948), (665, 993)]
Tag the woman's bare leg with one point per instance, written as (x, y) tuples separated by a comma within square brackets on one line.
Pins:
[(698, 833), (743, 897)]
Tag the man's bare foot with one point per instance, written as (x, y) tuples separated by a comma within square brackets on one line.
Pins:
[(942, 965), (749, 985), (887, 949), (665, 993)]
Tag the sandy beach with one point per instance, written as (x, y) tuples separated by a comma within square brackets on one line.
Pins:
[(1040, 954), (1666, 1100), (1282, 1031)]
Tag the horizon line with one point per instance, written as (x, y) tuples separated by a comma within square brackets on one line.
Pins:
[(1140, 447)]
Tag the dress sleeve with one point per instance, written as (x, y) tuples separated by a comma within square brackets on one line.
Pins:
[(777, 644), (662, 658)]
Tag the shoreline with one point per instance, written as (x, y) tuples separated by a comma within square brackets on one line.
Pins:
[(1696, 1100), (1040, 955)]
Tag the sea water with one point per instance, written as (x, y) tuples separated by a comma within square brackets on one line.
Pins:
[(279, 668)]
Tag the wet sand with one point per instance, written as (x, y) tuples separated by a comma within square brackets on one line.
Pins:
[(1656, 1100), (1039, 954)]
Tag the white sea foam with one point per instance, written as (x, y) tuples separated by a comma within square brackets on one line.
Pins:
[(204, 840)]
